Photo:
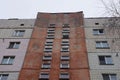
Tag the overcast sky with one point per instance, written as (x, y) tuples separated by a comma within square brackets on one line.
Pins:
[(29, 8)]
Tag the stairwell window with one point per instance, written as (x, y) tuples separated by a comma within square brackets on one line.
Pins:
[(44, 76), (64, 76), (51, 36), (51, 31), (14, 45), (65, 43), (65, 57), (49, 43), (66, 26), (102, 45), (48, 49), (65, 35), (64, 65), (65, 49), (66, 31), (47, 57), (46, 65), (8, 60), (51, 26)]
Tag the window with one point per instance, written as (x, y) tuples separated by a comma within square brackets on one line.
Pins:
[(44, 76), (51, 26), (14, 45), (51, 31), (65, 31), (46, 65), (98, 31), (66, 26), (49, 43), (47, 57), (48, 46), (65, 49), (64, 76), (64, 65), (102, 44), (48, 50), (65, 36), (8, 60), (50, 36), (109, 77), (65, 43), (105, 60), (3, 76), (19, 33), (65, 57)]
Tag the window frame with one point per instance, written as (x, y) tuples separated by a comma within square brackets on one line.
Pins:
[(66, 31), (1, 76), (66, 25), (8, 59), (63, 57), (65, 49), (98, 31), (47, 57), (48, 49), (18, 33), (109, 76), (52, 26), (105, 60), (65, 36), (14, 45), (64, 65), (50, 36), (65, 43), (64, 75), (46, 66), (44, 75), (102, 45)]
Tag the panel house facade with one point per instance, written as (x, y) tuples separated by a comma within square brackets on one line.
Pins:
[(57, 49), (103, 49), (14, 37), (59, 46)]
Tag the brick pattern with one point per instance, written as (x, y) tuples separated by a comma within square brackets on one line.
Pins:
[(78, 55)]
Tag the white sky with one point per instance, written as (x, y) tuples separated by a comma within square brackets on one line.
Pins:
[(29, 8)]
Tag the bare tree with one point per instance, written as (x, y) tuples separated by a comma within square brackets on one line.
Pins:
[(112, 7), (112, 24)]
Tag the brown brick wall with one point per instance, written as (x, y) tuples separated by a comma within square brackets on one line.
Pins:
[(78, 55)]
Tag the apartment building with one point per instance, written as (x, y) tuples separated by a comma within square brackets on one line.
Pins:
[(57, 49), (102, 48), (14, 37), (59, 46)]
